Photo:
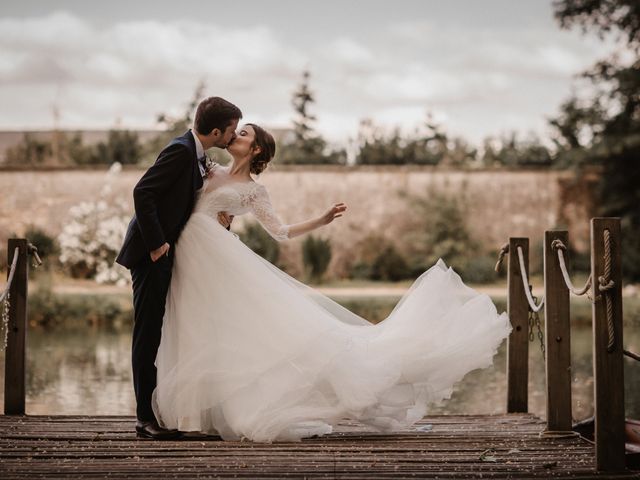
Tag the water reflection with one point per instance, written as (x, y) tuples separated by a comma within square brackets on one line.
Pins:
[(484, 391), (79, 372), (88, 372)]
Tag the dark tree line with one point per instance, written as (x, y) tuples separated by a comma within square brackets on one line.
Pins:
[(68, 149), (430, 145), (603, 130)]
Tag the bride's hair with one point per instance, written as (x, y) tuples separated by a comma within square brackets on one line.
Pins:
[(267, 144)]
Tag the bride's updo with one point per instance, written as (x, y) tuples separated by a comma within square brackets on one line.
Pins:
[(267, 144)]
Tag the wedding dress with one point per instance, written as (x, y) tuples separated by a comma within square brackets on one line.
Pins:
[(249, 352)]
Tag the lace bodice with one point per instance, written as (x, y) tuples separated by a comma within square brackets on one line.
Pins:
[(220, 193)]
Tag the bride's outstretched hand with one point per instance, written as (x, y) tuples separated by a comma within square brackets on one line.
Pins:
[(334, 212)]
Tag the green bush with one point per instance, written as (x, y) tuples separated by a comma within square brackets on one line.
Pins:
[(390, 265), (32, 151), (360, 271), (376, 258), (48, 309), (47, 245), (373, 309), (316, 255), (438, 231), (479, 269), (122, 146), (258, 240), (363, 255)]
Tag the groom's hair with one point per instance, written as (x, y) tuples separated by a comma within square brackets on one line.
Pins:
[(215, 112)]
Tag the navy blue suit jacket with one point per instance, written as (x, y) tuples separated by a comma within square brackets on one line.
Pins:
[(163, 198)]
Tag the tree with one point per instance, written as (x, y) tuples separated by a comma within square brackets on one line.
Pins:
[(122, 146), (460, 153), (316, 255), (378, 148), (618, 16), (301, 101), (30, 152), (258, 240), (74, 151), (307, 146), (437, 229), (604, 129), (175, 125), (435, 143), (510, 151)]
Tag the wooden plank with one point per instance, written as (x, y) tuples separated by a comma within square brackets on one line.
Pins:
[(557, 336), (15, 355), (518, 342), (607, 366), (449, 450)]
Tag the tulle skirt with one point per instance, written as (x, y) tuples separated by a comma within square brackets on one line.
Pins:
[(248, 352)]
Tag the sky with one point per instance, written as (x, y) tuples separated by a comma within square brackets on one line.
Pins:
[(479, 68)]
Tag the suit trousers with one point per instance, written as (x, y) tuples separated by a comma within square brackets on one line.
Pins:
[(150, 286)]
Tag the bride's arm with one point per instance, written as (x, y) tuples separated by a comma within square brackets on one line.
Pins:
[(263, 210), (307, 226)]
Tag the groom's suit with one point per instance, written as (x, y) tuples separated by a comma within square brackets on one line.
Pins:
[(163, 199)]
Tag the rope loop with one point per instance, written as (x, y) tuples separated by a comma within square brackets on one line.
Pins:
[(604, 285), (503, 251), (12, 272), (561, 248), (33, 250), (525, 284)]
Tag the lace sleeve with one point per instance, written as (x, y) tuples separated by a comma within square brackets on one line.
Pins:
[(263, 210)]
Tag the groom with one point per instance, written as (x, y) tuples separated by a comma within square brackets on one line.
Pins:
[(163, 199)]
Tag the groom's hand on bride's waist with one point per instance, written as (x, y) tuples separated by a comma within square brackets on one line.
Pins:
[(225, 219), (159, 252)]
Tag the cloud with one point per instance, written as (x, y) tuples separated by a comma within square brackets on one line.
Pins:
[(139, 52), (352, 55), (132, 70), (479, 79)]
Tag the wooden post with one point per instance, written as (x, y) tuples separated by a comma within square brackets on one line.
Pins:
[(557, 337), (607, 365), (518, 343), (14, 368)]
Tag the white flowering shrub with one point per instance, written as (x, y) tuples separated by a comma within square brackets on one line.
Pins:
[(91, 239)]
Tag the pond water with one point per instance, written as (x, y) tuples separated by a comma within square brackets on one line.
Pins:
[(87, 371)]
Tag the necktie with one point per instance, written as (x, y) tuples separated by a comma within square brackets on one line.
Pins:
[(203, 163)]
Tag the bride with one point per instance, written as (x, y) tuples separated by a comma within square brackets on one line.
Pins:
[(247, 352)]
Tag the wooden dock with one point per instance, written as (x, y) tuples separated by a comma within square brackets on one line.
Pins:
[(485, 446)]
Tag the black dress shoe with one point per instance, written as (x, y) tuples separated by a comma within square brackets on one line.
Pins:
[(151, 429)]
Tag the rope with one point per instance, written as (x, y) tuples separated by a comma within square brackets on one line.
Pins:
[(33, 250), (629, 354), (605, 285), (503, 251), (525, 284), (558, 245), (11, 273), (558, 434)]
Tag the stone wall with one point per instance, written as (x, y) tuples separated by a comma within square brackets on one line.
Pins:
[(499, 203)]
